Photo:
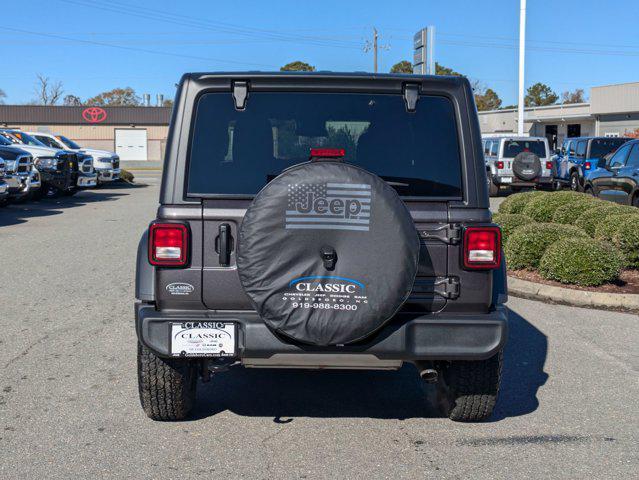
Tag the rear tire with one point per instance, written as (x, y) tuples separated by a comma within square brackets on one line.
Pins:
[(493, 189), (468, 389), (167, 386), (574, 182)]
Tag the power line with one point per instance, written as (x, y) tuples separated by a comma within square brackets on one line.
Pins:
[(174, 18), (134, 49)]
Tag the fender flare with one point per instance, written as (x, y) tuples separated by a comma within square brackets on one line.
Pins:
[(144, 272)]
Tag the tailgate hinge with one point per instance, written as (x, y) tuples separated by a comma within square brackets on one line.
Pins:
[(411, 95), (240, 94), (447, 287), (449, 234)]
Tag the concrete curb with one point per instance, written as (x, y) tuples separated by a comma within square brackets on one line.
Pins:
[(578, 298)]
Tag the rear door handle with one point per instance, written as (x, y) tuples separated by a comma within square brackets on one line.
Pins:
[(224, 244)]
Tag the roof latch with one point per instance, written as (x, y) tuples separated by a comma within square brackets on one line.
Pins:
[(240, 94), (411, 95)]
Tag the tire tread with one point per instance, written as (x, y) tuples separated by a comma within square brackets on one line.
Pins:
[(166, 386), (473, 387)]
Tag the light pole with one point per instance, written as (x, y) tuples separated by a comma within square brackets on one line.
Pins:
[(522, 57)]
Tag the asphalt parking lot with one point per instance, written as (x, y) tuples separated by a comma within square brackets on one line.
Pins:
[(68, 390)]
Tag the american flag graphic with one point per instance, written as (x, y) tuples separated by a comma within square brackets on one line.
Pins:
[(342, 206)]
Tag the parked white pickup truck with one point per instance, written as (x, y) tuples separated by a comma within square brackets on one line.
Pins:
[(105, 163)]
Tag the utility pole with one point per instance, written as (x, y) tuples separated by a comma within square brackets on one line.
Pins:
[(375, 49), (522, 58)]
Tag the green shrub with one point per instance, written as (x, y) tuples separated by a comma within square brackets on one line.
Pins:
[(607, 228), (126, 176), (581, 262), (626, 239), (508, 222), (568, 214), (589, 219), (516, 203), (528, 243), (543, 208)]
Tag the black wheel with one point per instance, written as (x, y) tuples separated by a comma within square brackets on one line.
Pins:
[(493, 188), (468, 389), (167, 386), (70, 192), (4, 202), (50, 191), (575, 186), (588, 190), (635, 200)]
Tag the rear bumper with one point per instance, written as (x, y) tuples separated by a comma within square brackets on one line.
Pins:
[(509, 180), (406, 338)]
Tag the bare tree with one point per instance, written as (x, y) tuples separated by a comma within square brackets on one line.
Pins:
[(2, 96), (578, 96), (47, 93)]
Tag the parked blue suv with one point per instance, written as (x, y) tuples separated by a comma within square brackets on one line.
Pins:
[(579, 155), (617, 178)]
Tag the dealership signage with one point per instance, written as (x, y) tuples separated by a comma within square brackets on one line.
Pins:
[(424, 51), (94, 114)]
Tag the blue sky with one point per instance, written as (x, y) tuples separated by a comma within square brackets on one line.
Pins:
[(95, 45)]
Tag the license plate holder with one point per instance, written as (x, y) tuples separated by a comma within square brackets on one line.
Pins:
[(203, 339), (507, 180)]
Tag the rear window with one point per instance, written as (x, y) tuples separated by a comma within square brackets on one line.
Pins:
[(512, 148), (602, 146), (237, 153)]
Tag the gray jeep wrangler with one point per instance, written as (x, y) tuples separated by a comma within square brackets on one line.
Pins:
[(318, 221)]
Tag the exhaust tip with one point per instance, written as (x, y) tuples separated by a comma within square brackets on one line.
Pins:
[(429, 375)]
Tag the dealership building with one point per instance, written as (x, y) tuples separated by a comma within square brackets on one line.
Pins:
[(613, 111), (136, 134)]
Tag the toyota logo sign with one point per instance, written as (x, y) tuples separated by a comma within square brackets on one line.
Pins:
[(94, 114)]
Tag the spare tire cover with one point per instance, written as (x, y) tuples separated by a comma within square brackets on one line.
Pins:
[(527, 166), (334, 207)]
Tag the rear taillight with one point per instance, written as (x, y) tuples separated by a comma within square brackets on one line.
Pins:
[(549, 165), (327, 152), (587, 165), (500, 165), (168, 244), (482, 247)]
